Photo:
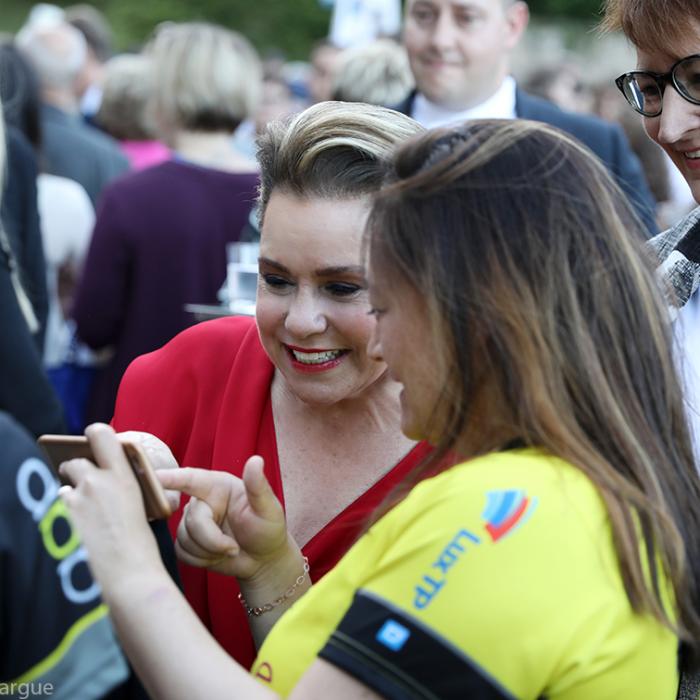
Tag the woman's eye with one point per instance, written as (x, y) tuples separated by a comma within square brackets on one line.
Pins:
[(340, 289), (275, 281), (422, 16)]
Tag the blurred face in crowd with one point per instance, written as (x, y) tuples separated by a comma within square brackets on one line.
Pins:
[(324, 62), (313, 307), (276, 102), (677, 128), (458, 49)]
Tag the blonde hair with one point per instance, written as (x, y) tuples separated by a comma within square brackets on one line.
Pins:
[(554, 329), (330, 150), (207, 78), (125, 111), (378, 73)]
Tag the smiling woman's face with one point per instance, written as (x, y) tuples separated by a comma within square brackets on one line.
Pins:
[(677, 128), (312, 307)]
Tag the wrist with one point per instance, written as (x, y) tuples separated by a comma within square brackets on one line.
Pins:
[(281, 579), (286, 559), (139, 587), (284, 600)]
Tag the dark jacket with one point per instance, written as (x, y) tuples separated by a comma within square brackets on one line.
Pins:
[(606, 140), (20, 217), (25, 391), (74, 150)]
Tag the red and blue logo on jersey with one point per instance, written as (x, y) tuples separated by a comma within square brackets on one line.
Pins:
[(505, 511)]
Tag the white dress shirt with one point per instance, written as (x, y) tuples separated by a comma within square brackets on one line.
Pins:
[(501, 105)]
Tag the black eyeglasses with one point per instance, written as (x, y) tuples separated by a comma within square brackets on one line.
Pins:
[(644, 90)]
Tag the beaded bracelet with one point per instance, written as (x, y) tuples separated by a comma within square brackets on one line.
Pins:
[(261, 609)]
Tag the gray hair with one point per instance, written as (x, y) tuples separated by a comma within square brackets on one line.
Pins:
[(57, 51)]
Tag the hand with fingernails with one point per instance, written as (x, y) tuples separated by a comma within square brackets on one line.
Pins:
[(237, 527), (232, 526), (107, 508), (159, 455)]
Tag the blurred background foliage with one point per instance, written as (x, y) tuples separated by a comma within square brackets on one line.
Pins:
[(288, 25)]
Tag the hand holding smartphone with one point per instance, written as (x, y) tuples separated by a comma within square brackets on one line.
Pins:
[(61, 448)]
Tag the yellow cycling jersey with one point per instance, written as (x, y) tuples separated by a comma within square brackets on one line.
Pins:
[(496, 579)]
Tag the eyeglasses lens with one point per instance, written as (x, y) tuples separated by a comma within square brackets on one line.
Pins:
[(687, 76), (643, 93)]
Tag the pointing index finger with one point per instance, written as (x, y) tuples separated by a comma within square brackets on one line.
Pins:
[(198, 483)]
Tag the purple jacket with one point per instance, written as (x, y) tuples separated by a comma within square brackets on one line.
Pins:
[(159, 243)]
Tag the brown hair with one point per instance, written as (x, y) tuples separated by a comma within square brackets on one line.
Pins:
[(554, 328), (330, 150), (650, 24)]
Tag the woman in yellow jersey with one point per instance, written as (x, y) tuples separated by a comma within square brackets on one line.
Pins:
[(557, 558)]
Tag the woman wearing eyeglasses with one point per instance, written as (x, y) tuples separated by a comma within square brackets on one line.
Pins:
[(665, 90)]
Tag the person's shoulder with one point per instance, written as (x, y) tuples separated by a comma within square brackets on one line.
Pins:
[(91, 142), (406, 105), (70, 193), (76, 139), (103, 142), (210, 344), (198, 365), (17, 443), (666, 242), (170, 179), (21, 157), (502, 488), (59, 128), (518, 510), (490, 549), (529, 465), (240, 173), (231, 330), (11, 431), (579, 125), (17, 143), (140, 183)]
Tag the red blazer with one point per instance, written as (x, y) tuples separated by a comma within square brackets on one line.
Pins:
[(206, 394)]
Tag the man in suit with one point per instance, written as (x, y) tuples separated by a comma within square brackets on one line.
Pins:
[(459, 51)]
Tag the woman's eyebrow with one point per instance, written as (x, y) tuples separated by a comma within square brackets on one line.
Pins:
[(273, 263), (321, 272), (340, 270)]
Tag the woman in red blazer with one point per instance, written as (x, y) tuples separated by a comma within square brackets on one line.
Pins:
[(296, 384)]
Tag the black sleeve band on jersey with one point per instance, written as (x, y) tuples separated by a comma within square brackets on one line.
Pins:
[(400, 658)]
